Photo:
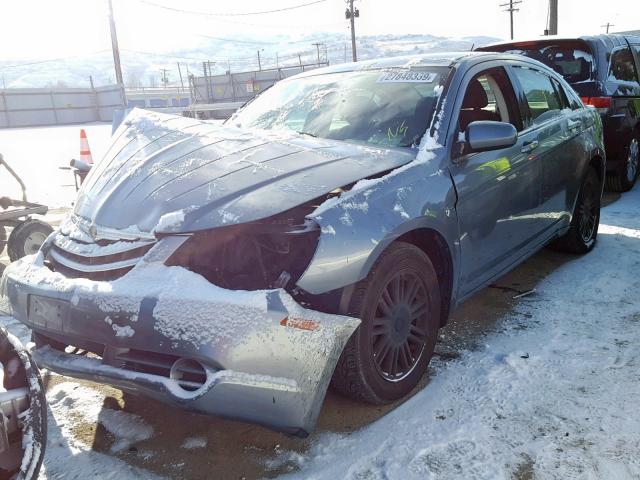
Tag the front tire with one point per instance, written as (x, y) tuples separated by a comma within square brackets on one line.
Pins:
[(582, 234), (399, 305)]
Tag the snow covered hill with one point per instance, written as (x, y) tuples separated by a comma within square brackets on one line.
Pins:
[(239, 54)]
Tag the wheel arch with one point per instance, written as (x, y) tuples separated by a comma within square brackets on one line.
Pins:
[(597, 161), (434, 245)]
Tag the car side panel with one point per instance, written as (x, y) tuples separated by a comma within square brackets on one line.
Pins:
[(358, 227)]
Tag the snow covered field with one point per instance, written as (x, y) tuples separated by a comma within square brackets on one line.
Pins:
[(549, 392), (37, 154)]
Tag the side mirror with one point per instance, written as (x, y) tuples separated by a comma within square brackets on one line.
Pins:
[(486, 135)]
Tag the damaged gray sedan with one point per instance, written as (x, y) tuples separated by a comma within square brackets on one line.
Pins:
[(322, 235)]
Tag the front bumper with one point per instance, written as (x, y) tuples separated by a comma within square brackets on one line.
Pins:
[(266, 359)]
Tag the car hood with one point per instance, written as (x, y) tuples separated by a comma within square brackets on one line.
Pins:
[(170, 173)]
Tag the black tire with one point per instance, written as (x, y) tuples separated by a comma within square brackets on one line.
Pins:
[(583, 232), (408, 328), (625, 178), (27, 238)]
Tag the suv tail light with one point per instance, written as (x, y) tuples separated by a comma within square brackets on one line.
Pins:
[(602, 104)]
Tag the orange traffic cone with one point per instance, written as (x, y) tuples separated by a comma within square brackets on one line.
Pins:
[(85, 151)]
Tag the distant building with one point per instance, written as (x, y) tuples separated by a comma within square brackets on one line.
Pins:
[(164, 99)]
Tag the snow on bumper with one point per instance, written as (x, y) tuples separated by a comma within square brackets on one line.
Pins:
[(267, 359)]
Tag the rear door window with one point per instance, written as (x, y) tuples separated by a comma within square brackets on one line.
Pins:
[(542, 98), (622, 67)]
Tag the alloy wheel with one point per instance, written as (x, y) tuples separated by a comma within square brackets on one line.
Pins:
[(400, 326), (632, 160)]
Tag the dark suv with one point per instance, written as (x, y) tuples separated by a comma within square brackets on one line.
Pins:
[(604, 70)]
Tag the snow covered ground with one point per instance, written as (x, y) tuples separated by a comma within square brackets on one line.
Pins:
[(553, 394), (37, 154)]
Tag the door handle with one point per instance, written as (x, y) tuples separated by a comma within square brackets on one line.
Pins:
[(529, 146)]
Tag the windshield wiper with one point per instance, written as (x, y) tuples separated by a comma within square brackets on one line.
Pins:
[(307, 133)]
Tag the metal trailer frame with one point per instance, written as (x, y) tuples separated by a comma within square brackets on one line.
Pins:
[(13, 217)]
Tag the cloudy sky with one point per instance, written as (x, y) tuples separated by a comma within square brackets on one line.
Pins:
[(42, 29)]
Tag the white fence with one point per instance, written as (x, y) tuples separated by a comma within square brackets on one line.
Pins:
[(26, 107)]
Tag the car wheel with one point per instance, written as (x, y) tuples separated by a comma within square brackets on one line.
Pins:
[(27, 238), (624, 180), (399, 306), (581, 237)]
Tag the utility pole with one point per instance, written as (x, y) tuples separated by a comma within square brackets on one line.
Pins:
[(607, 25), (259, 64), (180, 74), (511, 9), (299, 59), (317, 45), (351, 14), (164, 78), (553, 17), (114, 46)]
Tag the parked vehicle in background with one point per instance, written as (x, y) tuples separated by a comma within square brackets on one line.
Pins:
[(604, 70), (324, 233)]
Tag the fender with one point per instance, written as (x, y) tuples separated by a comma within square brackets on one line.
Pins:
[(360, 224)]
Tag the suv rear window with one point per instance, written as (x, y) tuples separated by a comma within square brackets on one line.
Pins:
[(571, 60)]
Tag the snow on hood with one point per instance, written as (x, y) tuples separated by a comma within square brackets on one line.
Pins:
[(215, 174)]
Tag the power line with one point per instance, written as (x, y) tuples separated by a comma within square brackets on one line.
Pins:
[(236, 14), (244, 42), (61, 59), (164, 55)]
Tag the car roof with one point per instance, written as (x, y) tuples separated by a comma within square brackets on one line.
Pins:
[(610, 40), (441, 59)]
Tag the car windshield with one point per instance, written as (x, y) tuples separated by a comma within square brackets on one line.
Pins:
[(574, 63), (391, 108)]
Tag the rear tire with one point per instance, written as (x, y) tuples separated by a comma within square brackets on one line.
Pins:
[(583, 232), (27, 238), (625, 178), (399, 305)]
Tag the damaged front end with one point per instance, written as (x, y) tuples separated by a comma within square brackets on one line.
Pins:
[(264, 254), (179, 274), (208, 321)]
